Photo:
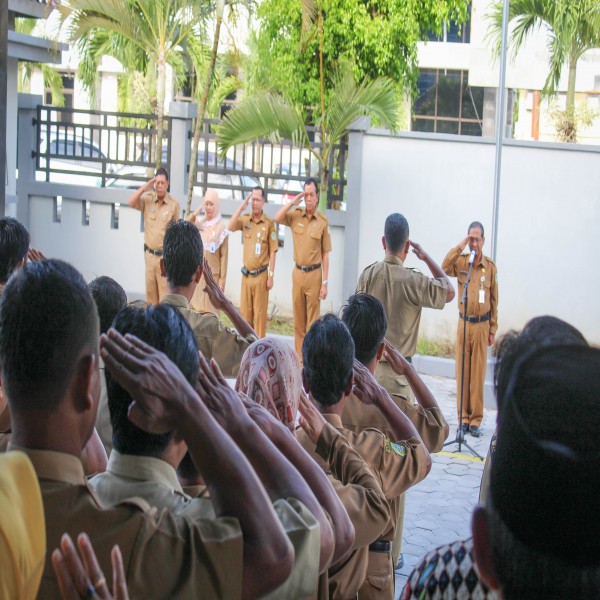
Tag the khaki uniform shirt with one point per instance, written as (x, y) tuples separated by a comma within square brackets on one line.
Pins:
[(484, 278), (257, 235), (157, 215), (429, 422), (164, 556), (217, 260), (214, 340), (403, 293), (311, 236), (156, 482), (364, 501)]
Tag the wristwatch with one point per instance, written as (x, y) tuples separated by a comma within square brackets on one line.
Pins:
[(326, 282), (270, 273)]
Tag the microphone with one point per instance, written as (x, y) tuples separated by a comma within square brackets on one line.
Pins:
[(471, 257)]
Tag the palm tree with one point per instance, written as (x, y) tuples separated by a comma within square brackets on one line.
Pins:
[(272, 116), (573, 29), (137, 31)]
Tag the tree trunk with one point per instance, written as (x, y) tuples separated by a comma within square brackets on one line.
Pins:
[(160, 107), (324, 167), (201, 111), (570, 133)]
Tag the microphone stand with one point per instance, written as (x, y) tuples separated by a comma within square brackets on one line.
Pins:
[(460, 434)]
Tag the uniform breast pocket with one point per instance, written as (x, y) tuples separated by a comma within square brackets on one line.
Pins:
[(299, 228), (151, 216), (315, 233), (247, 235)]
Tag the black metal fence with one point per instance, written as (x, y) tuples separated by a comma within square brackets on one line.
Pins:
[(119, 150)]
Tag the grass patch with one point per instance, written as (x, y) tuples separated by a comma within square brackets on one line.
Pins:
[(439, 348), (278, 325)]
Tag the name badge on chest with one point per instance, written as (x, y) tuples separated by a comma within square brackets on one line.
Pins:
[(482, 291), (212, 248)]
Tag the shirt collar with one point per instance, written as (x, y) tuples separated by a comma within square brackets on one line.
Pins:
[(144, 468), (334, 420), (261, 219), (55, 466), (305, 214), (392, 259), (175, 300)]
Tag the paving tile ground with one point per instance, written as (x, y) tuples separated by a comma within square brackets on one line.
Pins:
[(438, 510)]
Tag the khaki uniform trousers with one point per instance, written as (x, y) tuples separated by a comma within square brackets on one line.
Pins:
[(307, 305), (254, 302), (475, 363), (156, 284), (394, 384), (200, 301)]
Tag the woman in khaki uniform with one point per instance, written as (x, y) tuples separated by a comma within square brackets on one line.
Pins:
[(214, 232)]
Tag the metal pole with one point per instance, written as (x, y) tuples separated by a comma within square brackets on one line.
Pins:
[(500, 124), (3, 92)]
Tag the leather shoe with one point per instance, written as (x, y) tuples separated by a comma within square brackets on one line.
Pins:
[(475, 432), (465, 427)]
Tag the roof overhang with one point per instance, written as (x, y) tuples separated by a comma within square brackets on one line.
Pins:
[(34, 49)]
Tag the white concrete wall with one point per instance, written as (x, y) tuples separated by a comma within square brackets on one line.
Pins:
[(548, 222)]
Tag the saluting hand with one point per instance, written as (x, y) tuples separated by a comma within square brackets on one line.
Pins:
[(80, 576), (149, 185), (199, 209), (418, 250), (246, 202), (33, 255), (365, 387), (396, 361), (212, 288), (311, 420), (462, 245), (299, 198), (157, 386)]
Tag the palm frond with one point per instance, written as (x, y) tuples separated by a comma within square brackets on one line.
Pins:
[(223, 87), (264, 115)]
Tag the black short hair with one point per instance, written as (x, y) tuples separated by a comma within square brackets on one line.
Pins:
[(477, 225), (365, 318), (162, 171), (48, 318), (396, 232), (182, 252), (163, 327), (14, 244), (328, 356), (314, 182), (538, 333), (262, 191), (109, 297)]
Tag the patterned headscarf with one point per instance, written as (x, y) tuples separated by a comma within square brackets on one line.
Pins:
[(271, 375)]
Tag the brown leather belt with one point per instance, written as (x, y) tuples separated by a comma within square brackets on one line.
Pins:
[(155, 252), (309, 268), (380, 546), (246, 272), (473, 319)]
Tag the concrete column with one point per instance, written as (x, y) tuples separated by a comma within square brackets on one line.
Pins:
[(489, 112), (354, 204), (182, 115), (27, 147)]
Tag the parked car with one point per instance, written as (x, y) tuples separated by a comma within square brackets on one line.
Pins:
[(71, 159), (228, 185)]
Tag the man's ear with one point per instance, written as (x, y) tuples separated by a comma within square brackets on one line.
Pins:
[(305, 382), (406, 248), (482, 548), (21, 263), (349, 385), (383, 243), (84, 385), (198, 274), (380, 351), (163, 270)]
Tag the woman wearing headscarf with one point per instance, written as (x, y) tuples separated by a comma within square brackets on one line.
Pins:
[(271, 375), (214, 232)]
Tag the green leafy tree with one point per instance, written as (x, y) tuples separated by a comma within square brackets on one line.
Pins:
[(270, 115), (573, 28), (376, 37), (141, 34)]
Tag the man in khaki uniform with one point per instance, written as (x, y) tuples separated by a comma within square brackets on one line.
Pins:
[(399, 464), (312, 245), (159, 209), (182, 268), (403, 293), (365, 317), (260, 245), (243, 551), (144, 464), (482, 322)]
